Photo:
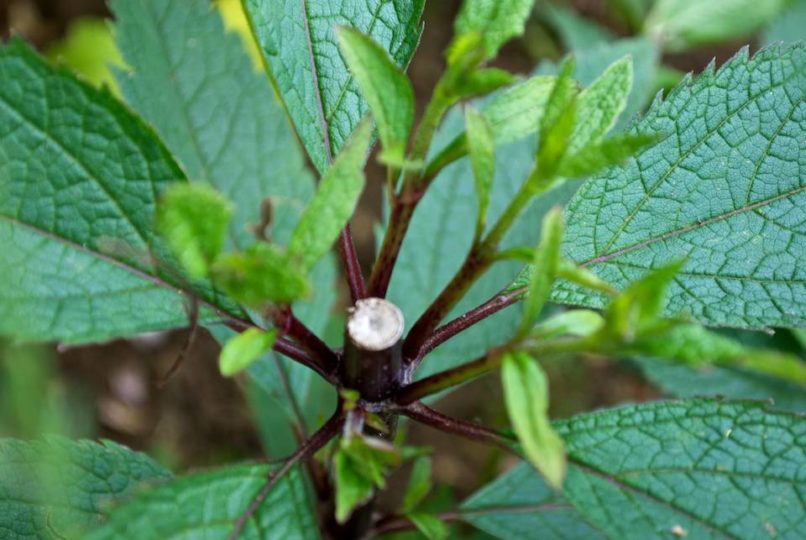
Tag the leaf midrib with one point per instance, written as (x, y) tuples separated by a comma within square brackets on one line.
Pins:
[(317, 88)]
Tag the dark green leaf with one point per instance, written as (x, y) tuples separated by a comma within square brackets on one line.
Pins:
[(206, 505), (721, 190), (298, 41), (419, 484), (60, 488)]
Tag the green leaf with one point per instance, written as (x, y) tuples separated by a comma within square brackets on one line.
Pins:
[(545, 266), (738, 224), (360, 465), (78, 190), (556, 126), (431, 526), (333, 204), (575, 32), (517, 112), (601, 103), (54, 487), (497, 21), (89, 50), (384, 86), (481, 148), (526, 395), (597, 156), (193, 220), (244, 349), (788, 26), (419, 484), (703, 468), (575, 322), (298, 41), (215, 113), (683, 24), (260, 275), (206, 505), (352, 488)]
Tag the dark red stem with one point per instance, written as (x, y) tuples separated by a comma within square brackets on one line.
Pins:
[(352, 267), (469, 430), (288, 324)]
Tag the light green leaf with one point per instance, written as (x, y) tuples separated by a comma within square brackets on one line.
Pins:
[(431, 526), (215, 113), (298, 41), (384, 86), (419, 484), (703, 468), (575, 322), (545, 266), (244, 349), (517, 112), (260, 275), (683, 24), (788, 26), (599, 155), (556, 127), (601, 103), (193, 220), (497, 21), (359, 467), (352, 488), (206, 505), (89, 50), (57, 487), (78, 186), (526, 395), (481, 148), (333, 204), (723, 190)]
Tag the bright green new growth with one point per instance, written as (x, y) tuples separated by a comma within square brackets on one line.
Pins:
[(334, 203), (385, 87), (545, 265), (360, 465), (193, 220), (481, 147), (497, 21), (526, 396), (244, 349)]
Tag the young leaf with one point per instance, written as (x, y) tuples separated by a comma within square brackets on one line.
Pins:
[(385, 87), (89, 50), (601, 103), (576, 322), (334, 203), (481, 148), (517, 112), (497, 21), (55, 486), (556, 127), (242, 350), (545, 266), (193, 220), (736, 224), (359, 466), (260, 275), (683, 24), (298, 41), (76, 222), (431, 526), (208, 504), (597, 156), (216, 114), (419, 484), (526, 395)]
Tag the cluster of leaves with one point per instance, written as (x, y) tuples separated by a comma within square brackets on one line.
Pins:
[(117, 219)]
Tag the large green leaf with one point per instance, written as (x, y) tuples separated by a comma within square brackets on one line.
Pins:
[(207, 505), (788, 26), (725, 190), (79, 176), (196, 85), (298, 41), (697, 468), (56, 488)]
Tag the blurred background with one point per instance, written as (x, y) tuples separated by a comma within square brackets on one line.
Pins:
[(197, 418)]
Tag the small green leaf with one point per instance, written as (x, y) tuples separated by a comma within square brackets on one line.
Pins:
[(239, 352), (545, 266), (576, 322), (481, 147), (601, 103), (430, 525), (517, 112), (352, 488), (385, 87), (334, 202), (683, 24), (260, 275), (89, 50), (597, 156), (556, 126), (419, 484), (497, 21), (584, 277), (359, 466), (58, 488), (527, 399), (193, 220)]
